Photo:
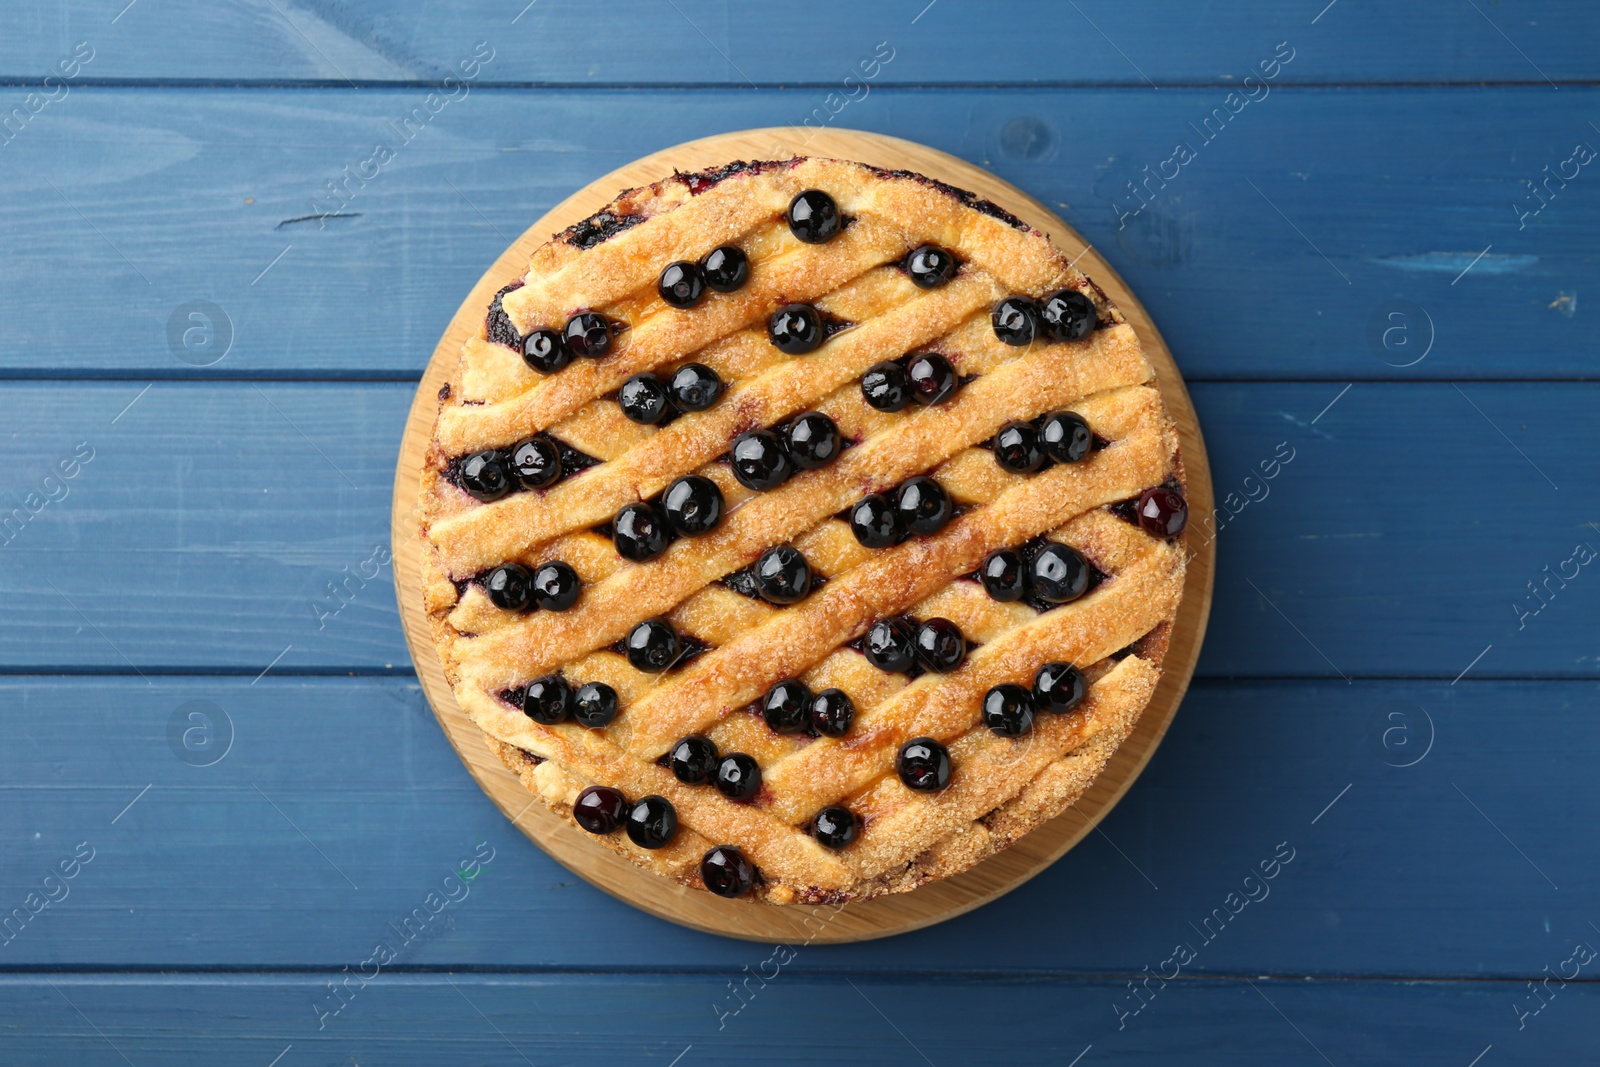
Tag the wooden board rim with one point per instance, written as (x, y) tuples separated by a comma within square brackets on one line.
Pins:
[(745, 919)]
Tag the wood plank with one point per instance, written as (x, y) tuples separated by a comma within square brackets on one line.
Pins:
[(732, 44), (589, 1018), (243, 863), (205, 531), (166, 198)]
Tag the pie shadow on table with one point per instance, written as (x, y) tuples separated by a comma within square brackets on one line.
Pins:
[(747, 919)]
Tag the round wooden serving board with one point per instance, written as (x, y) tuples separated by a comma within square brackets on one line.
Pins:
[(743, 918)]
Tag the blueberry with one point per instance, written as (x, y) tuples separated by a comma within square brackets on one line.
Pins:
[(727, 872), (547, 700), (1162, 512), (652, 822), (639, 533), (923, 765), (1065, 437), (694, 760), (682, 284), (795, 329), (1059, 574), (588, 334), (600, 809), (1004, 576), (814, 217), (924, 505), (1008, 710), (787, 706), (1068, 315), (933, 379), (941, 646), (510, 587), (695, 387), (653, 646), (783, 575), (692, 505), (726, 268), (1016, 448), (536, 462), (930, 266), (1016, 320), (644, 399), (1059, 687), (556, 586), (760, 461), (891, 645), (886, 387), (545, 352), (876, 523), (594, 704), (835, 827), (738, 776), (832, 712), (484, 475), (812, 440)]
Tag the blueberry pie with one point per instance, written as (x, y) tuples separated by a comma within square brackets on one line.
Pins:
[(803, 531)]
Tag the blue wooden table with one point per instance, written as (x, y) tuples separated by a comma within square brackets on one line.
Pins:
[(1369, 233)]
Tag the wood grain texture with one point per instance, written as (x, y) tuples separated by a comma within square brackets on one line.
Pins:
[(722, 43), (884, 916), (199, 191)]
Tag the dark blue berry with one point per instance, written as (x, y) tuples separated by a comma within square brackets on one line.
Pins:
[(644, 398), (600, 809), (510, 587), (727, 872), (726, 268), (695, 387), (1068, 315), (1059, 687), (812, 440), (588, 334), (782, 575), (941, 646), (1059, 574), (1162, 512), (692, 505), (653, 646), (639, 533), (933, 379), (1004, 576), (694, 760), (1065, 437), (876, 522), (547, 700), (795, 329), (1016, 320), (891, 645), (886, 387), (536, 462), (835, 827), (787, 706), (545, 352), (924, 506), (556, 586), (594, 704), (652, 822), (760, 461), (484, 475), (682, 284), (930, 266), (1008, 710), (832, 712), (738, 776), (1017, 449), (814, 217), (923, 765)]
